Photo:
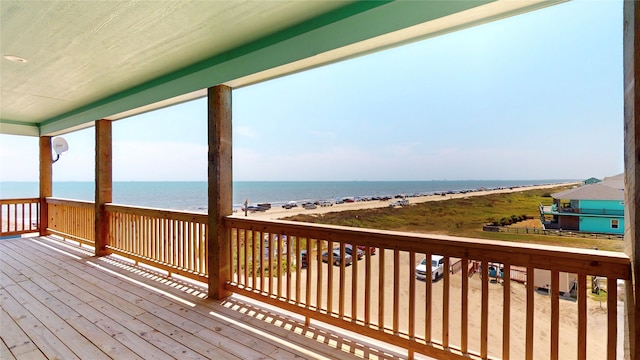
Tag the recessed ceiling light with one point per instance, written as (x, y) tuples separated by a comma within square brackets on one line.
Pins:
[(14, 58)]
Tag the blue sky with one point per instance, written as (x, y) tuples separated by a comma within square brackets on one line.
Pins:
[(537, 96)]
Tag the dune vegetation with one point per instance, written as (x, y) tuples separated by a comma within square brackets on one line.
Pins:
[(466, 217)]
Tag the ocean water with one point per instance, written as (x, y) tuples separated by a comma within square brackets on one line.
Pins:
[(192, 196)]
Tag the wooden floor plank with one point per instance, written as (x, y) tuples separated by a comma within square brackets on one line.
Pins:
[(16, 340), (42, 337), (249, 347), (5, 353), (39, 308), (126, 329), (243, 351), (130, 312), (116, 340), (158, 306)]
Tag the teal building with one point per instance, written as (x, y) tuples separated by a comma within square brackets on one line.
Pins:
[(593, 208)]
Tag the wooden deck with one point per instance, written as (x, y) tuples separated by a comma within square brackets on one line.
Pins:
[(60, 302)]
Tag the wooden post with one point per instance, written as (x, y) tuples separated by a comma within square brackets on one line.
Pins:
[(46, 182), (103, 185), (220, 189), (632, 173)]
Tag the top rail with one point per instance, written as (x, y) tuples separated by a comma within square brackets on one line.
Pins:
[(70, 202), (603, 263), (200, 218), (20, 201)]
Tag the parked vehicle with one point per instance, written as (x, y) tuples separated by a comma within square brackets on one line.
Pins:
[(290, 205), (266, 206), (493, 272), (304, 262), (348, 248), (309, 206), (437, 268), (372, 249), (324, 203), (336, 257), (254, 208)]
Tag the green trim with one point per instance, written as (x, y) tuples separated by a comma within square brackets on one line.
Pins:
[(584, 215), (17, 122)]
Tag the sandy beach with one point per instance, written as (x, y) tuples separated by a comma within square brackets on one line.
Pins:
[(279, 212), (596, 311)]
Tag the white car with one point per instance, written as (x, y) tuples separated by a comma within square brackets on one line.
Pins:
[(437, 268)]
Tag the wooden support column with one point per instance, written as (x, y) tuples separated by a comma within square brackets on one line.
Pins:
[(46, 182), (220, 190), (632, 173), (103, 185)]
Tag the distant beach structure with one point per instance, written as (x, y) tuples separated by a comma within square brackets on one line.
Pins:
[(192, 195)]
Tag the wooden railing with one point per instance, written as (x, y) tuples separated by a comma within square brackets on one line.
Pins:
[(170, 240), (455, 316), (72, 219), (19, 216), (460, 314)]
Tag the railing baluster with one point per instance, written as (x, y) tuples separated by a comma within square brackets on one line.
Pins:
[(319, 282), (15, 217), (246, 257), (354, 281), (23, 216), (367, 286), (381, 278), (289, 264), (612, 331), (484, 312), (238, 246), (262, 254), (270, 265), (279, 266), (330, 280), (310, 260), (529, 321), (396, 290), (299, 268), (464, 316), (412, 294), (555, 313), (506, 309), (582, 316), (253, 260), (445, 303), (428, 300), (341, 293)]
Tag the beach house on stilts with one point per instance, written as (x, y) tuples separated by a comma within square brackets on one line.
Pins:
[(104, 280), (593, 208)]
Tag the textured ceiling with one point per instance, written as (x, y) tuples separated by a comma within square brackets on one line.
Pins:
[(111, 59)]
